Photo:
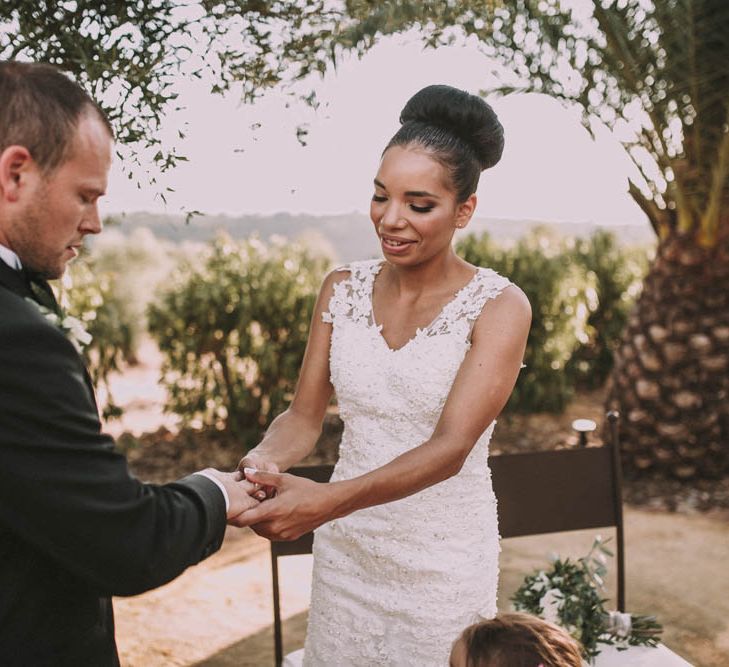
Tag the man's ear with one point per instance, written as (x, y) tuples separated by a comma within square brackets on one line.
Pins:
[(465, 210), (16, 165)]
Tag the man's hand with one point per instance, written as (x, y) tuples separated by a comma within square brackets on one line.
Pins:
[(299, 506), (257, 462), (239, 493)]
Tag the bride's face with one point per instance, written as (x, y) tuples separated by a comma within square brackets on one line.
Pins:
[(414, 208)]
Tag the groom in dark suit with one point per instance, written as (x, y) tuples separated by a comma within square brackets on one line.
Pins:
[(75, 526)]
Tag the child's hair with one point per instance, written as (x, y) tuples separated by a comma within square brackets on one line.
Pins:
[(519, 640)]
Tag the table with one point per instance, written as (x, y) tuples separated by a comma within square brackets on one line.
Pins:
[(635, 656), (640, 656)]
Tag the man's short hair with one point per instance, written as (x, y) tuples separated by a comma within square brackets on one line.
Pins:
[(40, 108)]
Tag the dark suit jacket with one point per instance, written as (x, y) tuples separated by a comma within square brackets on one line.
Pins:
[(75, 526)]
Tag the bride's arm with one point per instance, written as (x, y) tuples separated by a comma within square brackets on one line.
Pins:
[(293, 433), (480, 391)]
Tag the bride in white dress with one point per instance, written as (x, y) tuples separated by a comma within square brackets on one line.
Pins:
[(423, 350)]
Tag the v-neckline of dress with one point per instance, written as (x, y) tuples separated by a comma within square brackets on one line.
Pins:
[(419, 330)]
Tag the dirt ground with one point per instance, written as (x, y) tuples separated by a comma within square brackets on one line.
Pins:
[(219, 613)]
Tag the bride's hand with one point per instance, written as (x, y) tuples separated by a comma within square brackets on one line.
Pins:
[(300, 506), (253, 460)]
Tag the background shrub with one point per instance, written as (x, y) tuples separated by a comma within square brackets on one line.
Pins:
[(109, 289), (580, 292), (618, 275), (137, 264), (89, 294), (232, 327)]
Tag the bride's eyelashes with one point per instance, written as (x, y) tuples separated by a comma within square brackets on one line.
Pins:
[(418, 209)]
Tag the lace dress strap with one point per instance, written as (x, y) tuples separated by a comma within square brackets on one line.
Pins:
[(351, 297), (470, 301)]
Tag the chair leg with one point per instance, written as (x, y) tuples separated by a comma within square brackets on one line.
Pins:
[(277, 635), (613, 419), (621, 570)]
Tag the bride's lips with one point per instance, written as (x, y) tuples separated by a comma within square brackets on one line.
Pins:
[(395, 245)]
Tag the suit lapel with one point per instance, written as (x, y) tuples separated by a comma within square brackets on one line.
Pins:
[(14, 281), (17, 283), (37, 288)]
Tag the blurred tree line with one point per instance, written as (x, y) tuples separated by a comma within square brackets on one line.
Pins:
[(232, 320), (656, 74)]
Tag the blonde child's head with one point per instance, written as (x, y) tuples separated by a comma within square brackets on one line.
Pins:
[(515, 640)]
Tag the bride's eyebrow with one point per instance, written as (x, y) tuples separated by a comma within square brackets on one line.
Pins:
[(420, 193)]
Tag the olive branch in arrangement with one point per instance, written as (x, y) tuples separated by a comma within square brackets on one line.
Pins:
[(569, 595)]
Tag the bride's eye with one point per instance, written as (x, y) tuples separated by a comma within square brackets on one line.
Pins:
[(379, 198)]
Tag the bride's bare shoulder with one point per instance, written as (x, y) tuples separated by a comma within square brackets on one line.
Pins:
[(512, 299), (510, 309)]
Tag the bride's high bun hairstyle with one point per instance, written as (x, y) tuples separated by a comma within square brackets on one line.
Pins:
[(458, 129)]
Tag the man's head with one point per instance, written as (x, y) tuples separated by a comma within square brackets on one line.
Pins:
[(55, 154)]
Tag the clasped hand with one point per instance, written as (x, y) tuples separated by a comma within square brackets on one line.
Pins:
[(290, 506)]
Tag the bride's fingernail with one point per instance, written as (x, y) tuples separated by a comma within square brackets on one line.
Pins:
[(250, 471)]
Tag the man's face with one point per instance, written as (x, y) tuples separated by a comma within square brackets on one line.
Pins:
[(58, 209)]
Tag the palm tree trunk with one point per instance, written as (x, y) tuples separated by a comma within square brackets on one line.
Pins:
[(671, 375)]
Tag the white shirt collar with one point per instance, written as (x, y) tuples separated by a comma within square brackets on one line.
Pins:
[(10, 258)]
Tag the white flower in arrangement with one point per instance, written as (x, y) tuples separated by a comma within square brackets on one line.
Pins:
[(71, 326), (551, 604), (541, 582)]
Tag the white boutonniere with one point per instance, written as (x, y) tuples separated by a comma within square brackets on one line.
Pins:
[(71, 326)]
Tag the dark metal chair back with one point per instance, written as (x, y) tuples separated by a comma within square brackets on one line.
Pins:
[(537, 492)]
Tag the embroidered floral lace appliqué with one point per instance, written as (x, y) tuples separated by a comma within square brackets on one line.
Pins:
[(396, 583)]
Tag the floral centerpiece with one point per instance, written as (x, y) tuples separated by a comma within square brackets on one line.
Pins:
[(569, 595)]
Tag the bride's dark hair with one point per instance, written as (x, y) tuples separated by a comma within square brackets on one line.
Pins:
[(460, 130)]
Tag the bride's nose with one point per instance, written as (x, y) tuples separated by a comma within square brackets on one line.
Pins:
[(393, 218)]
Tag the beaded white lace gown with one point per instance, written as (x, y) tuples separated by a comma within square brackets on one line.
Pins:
[(394, 585)]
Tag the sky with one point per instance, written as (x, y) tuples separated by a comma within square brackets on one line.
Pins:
[(246, 159)]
